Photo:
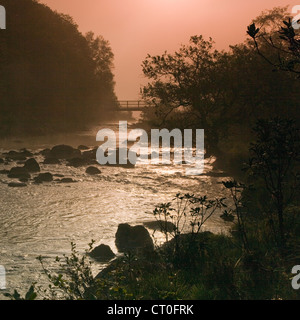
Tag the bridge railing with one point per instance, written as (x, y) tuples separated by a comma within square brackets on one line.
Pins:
[(132, 104)]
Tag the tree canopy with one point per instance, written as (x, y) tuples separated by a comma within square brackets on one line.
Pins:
[(52, 76), (223, 92)]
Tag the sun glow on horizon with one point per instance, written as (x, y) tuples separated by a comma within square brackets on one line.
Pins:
[(135, 28)]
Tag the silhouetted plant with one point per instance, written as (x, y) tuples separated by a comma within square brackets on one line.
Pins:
[(288, 56), (76, 282), (188, 213), (273, 158), (236, 194), (31, 294)]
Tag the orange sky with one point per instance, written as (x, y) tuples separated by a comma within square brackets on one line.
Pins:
[(135, 28)]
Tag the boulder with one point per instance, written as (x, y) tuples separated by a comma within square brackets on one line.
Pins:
[(17, 185), (102, 253), (32, 165), (82, 147), (26, 153), (92, 171), (18, 156), (135, 238), (67, 180), (122, 159), (44, 177), (76, 162), (14, 155), (90, 155), (64, 152), (4, 171), (1, 160), (45, 152), (19, 172), (51, 161)]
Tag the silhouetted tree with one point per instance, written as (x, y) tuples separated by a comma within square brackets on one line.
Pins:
[(186, 80), (223, 92), (49, 79), (274, 158), (102, 57)]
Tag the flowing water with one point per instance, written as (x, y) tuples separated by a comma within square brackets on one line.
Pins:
[(44, 219)]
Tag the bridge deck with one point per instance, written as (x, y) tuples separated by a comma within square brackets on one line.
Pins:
[(132, 105)]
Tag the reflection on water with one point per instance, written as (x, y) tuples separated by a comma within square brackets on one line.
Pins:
[(44, 219)]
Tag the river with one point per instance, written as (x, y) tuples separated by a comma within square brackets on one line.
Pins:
[(44, 219)]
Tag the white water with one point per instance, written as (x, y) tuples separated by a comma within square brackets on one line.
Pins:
[(44, 219)]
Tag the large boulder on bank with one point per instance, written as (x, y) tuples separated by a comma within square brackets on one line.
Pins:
[(64, 152), (92, 171), (102, 253), (135, 238), (32, 165), (19, 172)]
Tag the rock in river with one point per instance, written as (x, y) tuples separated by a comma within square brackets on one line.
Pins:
[(67, 180), (77, 162), (102, 253), (92, 171), (64, 152), (51, 161), (44, 177), (32, 165), (83, 147), (17, 185), (19, 172)]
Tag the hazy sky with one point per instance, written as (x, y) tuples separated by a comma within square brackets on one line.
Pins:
[(135, 28)]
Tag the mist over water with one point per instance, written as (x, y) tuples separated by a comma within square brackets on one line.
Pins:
[(44, 219)]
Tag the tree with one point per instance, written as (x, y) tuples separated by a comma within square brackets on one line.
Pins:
[(102, 57), (186, 80), (50, 77)]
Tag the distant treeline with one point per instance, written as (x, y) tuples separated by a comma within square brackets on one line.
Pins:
[(51, 76)]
